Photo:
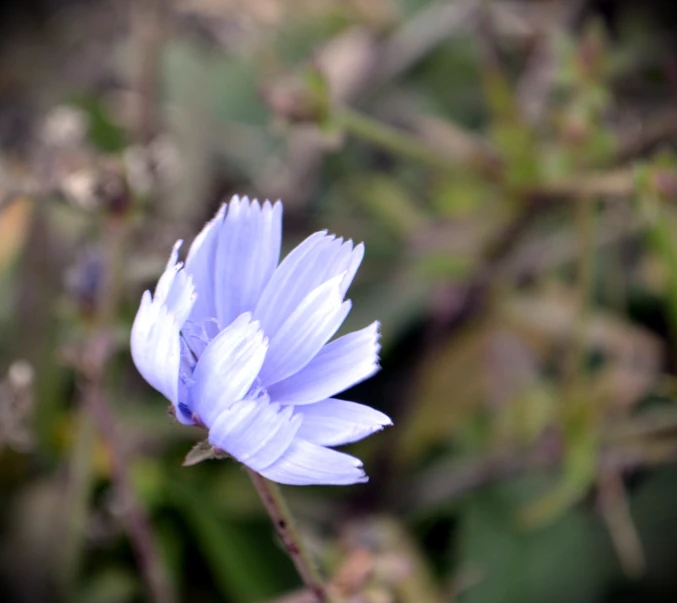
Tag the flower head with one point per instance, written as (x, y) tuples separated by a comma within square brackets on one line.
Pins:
[(241, 345)]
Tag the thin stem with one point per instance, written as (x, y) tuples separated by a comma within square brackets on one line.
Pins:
[(391, 139), (133, 516), (77, 500), (585, 224), (617, 183), (283, 520), (613, 502), (91, 363), (662, 238), (148, 30)]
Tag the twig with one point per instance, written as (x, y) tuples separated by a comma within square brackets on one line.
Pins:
[(661, 237), (451, 481), (389, 138), (659, 130), (282, 519), (534, 88), (76, 500), (148, 18), (615, 510), (616, 183), (575, 366), (133, 516), (90, 362)]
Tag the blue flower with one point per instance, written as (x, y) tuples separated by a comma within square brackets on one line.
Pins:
[(241, 346)]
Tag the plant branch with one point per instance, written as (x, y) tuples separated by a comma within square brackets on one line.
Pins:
[(391, 139), (90, 361), (134, 517)]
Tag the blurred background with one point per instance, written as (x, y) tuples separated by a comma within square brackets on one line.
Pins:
[(511, 168)]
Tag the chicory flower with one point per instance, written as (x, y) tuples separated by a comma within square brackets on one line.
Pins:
[(241, 345)]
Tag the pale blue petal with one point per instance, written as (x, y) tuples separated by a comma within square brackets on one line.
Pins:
[(166, 280), (303, 334), (227, 368), (233, 424), (155, 340), (156, 349), (304, 464), (337, 366), (256, 433), (354, 260), (247, 254), (197, 336), (337, 422), (200, 264), (313, 262)]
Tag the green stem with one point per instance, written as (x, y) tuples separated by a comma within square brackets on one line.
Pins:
[(661, 236), (585, 225), (391, 139), (578, 415), (283, 520), (77, 500)]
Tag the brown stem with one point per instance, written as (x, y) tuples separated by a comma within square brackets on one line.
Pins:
[(282, 519), (615, 509), (91, 362), (148, 23), (134, 517)]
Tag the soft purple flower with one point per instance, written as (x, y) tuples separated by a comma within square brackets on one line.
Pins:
[(241, 345)]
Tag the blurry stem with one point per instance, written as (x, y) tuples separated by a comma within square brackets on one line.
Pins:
[(615, 510), (616, 183), (450, 481), (585, 225), (91, 364), (662, 237), (147, 29), (113, 243), (577, 412), (283, 520), (389, 138), (77, 500), (134, 518)]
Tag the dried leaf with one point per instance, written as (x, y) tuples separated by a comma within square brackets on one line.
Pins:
[(202, 451)]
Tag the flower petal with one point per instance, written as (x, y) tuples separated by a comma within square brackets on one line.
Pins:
[(200, 264), (247, 253), (303, 334), (231, 423), (337, 366), (354, 260), (337, 422), (256, 432), (304, 464), (156, 347), (313, 262), (155, 340), (227, 368)]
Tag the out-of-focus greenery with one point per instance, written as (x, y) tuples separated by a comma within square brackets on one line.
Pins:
[(511, 168)]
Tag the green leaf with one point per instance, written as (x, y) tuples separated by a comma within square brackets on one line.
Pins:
[(569, 560), (245, 564)]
